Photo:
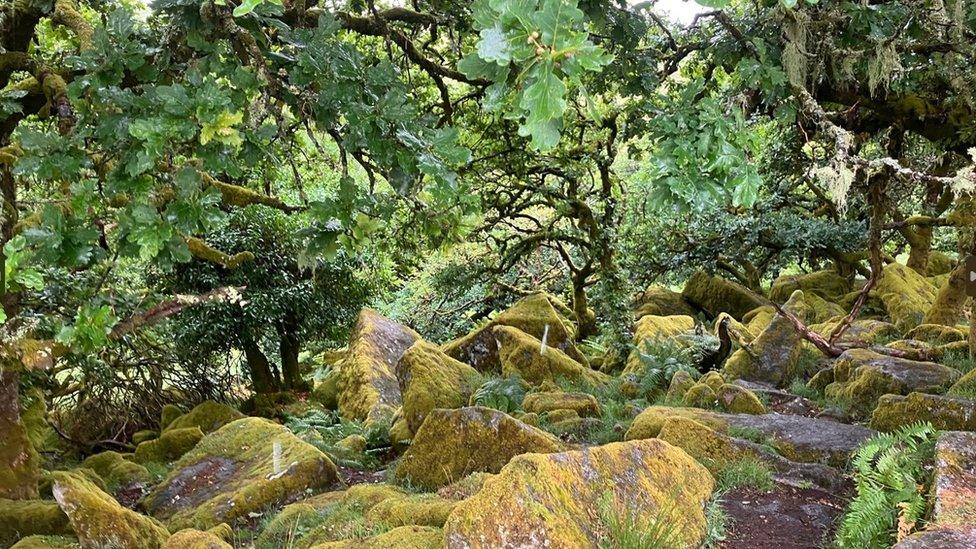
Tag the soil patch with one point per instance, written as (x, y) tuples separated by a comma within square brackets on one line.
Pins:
[(787, 517)]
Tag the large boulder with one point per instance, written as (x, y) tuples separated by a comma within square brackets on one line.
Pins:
[(660, 301), (584, 404), (47, 542), (826, 284), (430, 379), (403, 537), (539, 315), (452, 444), (241, 468), (652, 328), (716, 295), (191, 538), (208, 416), (172, 444), (861, 376), (117, 471), (573, 499), (99, 521), (522, 355), (944, 413), (20, 518), (863, 330), (907, 295), (368, 386)]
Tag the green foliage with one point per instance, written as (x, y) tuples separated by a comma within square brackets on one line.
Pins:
[(890, 472), (323, 429), (625, 530), (716, 523), (745, 473), (504, 394), (660, 359)]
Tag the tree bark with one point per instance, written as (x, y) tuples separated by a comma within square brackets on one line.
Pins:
[(19, 468), (289, 346), (584, 319), (263, 379)]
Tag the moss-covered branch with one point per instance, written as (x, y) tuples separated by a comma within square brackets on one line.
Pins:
[(201, 250), (236, 195), (67, 15)]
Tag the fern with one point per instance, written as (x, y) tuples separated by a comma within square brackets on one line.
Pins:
[(661, 359), (889, 472), (503, 394)]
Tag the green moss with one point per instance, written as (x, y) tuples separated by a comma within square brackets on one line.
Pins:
[(400, 434), (326, 392), (145, 435), (907, 295), (651, 329), (681, 382), (739, 400), (701, 395), (26, 517), (775, 356), (430, 379), (965, 387), (404, 537), (169, 413), (521, 354), (47, 542), (208, 416), (466, 487), (419, 510), (826, 284), (715, 295), (558, 416), (935, 334), (549, 500), (173, 443), (195, 539), (368, 386), (944, 413), (99, 521), (584, 404), (452, 444), (711, 448), (116, 470), (649, 422), (235, 471), (660, 301)]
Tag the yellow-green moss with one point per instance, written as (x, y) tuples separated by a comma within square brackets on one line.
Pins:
[(583, 404), (525, 356), (775, 355), (231, 472), (145, 435), (712, 449), (716, 295), (701, 395), (939, 263), (757, 319), (99, 521), (555, 500), (452, 444), (965, 387), (355, 444), (430, 379), (400, 434), (466, 487), (169, 413), (26, 517), (649, 422), (368, 386), (936, 334), (208, 416), (116, 470), (907, 295), (863, 330), (173, 443), (326, 392), (190, 538), (652, 328), (33, 415), (826, 284), (404, 537), (944, 413), (660, 301), (419, 510), (739, 400), (47, 542), (681, 381), (713, 379), (559, 416)]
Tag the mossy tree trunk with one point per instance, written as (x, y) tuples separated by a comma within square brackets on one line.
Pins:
[(581, 307), (263, 379), (948, 307), (289, 347), (19, 469)]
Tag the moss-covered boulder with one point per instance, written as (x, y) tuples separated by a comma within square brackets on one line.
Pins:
[(26, 517), (466, 487), (47, 542), (191, 538), (716, 295), (170, 445), (169, 414), (241, 468), (208, 416), (864, 330), (144, 435), (584, 404), (430, 379), (400, 434), (936, 334), (775, 356), (965, 387), (681, 381), (326, 391), (116, 470), (652, 328), (99, 521), (556, 500), (522, 355), (452, 444), (736, 399), (539, 315), (907, 295), (944, 413), (368, 386), (404, 537), (649, 422), (826, 284), (861, 376), (660, 301), (701, 395), (417, 510)]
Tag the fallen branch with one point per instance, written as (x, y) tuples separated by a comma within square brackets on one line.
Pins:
[(230, 294)]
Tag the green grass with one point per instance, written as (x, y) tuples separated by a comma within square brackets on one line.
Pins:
[(800, 388), (625, 530), (959, 360), (747, 433), (747, 473), (716, 523)]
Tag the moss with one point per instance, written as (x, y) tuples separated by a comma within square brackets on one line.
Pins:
[(232, 472), (99, 521), (430, 379), (649, 422), (208, 416), (826, 284), (419, 510), (326, 392), (172, 444), (538, 315), (775, 356), (739, 400), (466, 487), (21, 518), (169, 413), (47, 542), (660, 301), (583, 404), (715, 295), (368, 386), (681, 381), (404, 537), (452, 444), (944, 413), (865, 330), (711, 448), (757, 319), (145, 435), (965, 387), (939, 263), (701, 395), (522, 355), (400, 434), (116, 470), (19, 461), (936, 334), (713, 379), (203, 251), (558, 416), (190, 538), (33, 414), (907, 295), (553, 500), (651, 328)]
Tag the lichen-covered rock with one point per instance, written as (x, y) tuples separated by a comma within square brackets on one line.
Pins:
[(99, 521), (27, 517), (715, 295), (535, 315), (418, 510), (861, 376), (368, 387), (736, 399), (944, 413), (170, 445), (650, 329), (190, 538), (681, 381), (404, 537), (241, 468), (116, 470), (47, 542), (208, 416), (430, 379), (775, 355), (936, 334), (907, 295), (553, 500), (826, 284), (939, 538), (522, 355), (400, 434), (649, 422), (660, 301), (452, 444), (583, 404), (863, 330), (326, 391)]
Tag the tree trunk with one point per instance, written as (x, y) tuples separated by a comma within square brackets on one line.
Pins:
[(948, 306), (19, 469), (263, 379), (585, 319), (289, 347), (921, 245)]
